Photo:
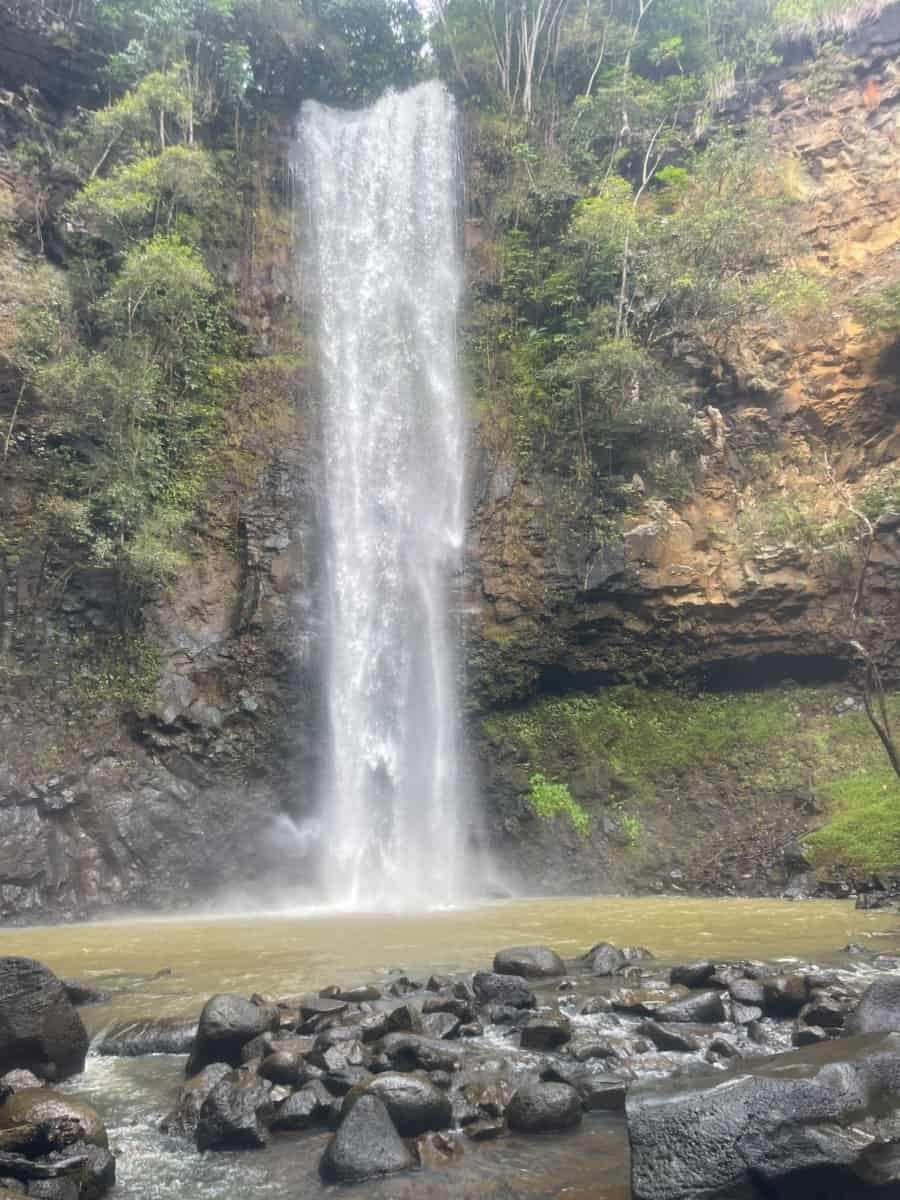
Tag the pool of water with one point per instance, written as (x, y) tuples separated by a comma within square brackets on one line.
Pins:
[(169, 967)]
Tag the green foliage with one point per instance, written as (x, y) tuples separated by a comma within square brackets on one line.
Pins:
[(863, 832), (123, 674), (880, 310), (548, 800)]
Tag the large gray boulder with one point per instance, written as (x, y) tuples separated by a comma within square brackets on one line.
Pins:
[(38, 1121), (544, 1108), (494, 988), (531, 962), (879, 1009), (413, 1102), (226, 1024), (231, 1116), (39, 1027), (815, 1124), (365, 1145)]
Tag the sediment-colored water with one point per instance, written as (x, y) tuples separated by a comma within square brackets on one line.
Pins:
[(289, 953)]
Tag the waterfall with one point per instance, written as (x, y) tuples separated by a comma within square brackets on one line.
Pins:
[(381, 229)]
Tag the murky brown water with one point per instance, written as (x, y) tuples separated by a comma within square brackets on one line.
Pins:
[(289, 953), (283, 954)]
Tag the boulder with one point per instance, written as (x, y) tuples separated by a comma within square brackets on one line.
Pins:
[(37, 1121), (409, 1051), (97, 1172), (230, 1114), (531, 962), (310, 1106), (784, 995), (546, 1033), (413, 1102), (603, 959), (159, 1035), (17, 1081), (226, 1024), (664, 1037), (702, 1008), (365, 1145), (879, 1009), (799, 1126), (693, 975), (596, 1092), (509, 990), (182, 1120), (749, 992), (544, 1108), (39, 1027), (441, 1025)]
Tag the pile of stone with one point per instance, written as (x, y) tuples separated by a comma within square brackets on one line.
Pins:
[(51, 1145)]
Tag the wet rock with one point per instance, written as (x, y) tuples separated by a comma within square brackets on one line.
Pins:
[(37, 1121), (485, 1128), (784, 995), (365, 1145), (474, 1029), (226, 1024), (312, 1005), (723, 1047), (879, 1009), (603, 959), (633, 954), (807, 1035), (328, 1055), (413, 1102), (17, 1081), (597, 1004), (81, 994), (544, 1108), (530, 962), (509, 990), (182, 1120), (309, 1106), (597, 1092), (505, 1014), (283, 1067), (693, 975), (39, 1028), (405, 1018), (438, 983), (436, 1150), (358, 995), (463, 1009), (160, 1035), (828, 1010), (64, 1188), (408, 1051), (795, 1126), (744, 1014), (701, 1009), (340, 1082), (664, 1037), (546, 1033), (230, 1114), (749, 992), (441, 1025), (97, 1172)]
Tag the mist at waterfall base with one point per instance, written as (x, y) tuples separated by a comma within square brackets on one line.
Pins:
[(380, 259)]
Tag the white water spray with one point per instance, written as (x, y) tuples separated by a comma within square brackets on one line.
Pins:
[(381, 194)]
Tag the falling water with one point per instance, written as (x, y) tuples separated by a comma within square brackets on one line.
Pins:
[(381, 216)]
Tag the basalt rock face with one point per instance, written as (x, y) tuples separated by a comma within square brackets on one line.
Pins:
[(704, 591)]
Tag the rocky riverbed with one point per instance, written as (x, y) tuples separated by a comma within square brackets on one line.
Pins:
[(538, 1072)]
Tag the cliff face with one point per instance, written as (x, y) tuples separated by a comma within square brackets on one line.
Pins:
[(138, 786)]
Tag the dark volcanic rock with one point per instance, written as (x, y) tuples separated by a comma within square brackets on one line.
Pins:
[(664, 1037), (182, 1120), (693, 975), (160, 1035), (879, 1009), (37, 1121), (413, 1102), (509, 990), (784, 995), (531, 962), (546, 1033), (603, 959), (595, 1091), (702, 1008), (310, 1106), (365, 1145), (97, 1172), (799, 1126), (227, 1023), (39, 1028), (230, 1115), (544, 1108), (408, 1051)]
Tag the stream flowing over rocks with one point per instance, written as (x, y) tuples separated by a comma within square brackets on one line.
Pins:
[(730, 1079)]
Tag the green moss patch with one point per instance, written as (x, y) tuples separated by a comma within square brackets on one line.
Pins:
[(864, 831)]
